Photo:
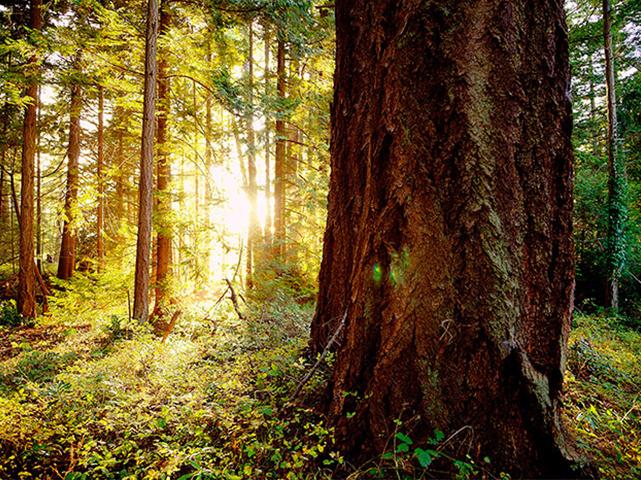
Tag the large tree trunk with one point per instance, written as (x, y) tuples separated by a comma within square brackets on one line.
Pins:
[(26, 301), (145, 187), (67, 260), (279, 161), (616, 250), (100, 213), (448, 245), (163, 248)]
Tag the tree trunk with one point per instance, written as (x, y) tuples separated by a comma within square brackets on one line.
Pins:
[(279, 161), (26, 301), (197, 247), (3, 203), (39, 191), (163, 247), (145, 188), (448, 244), (208, 163), (268, 209), (252, 190), (593, 119), (67, 260), (120, 208), (100, 214), (616, 250)]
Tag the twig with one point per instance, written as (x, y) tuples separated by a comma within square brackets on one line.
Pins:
[(634, 404), (171, 325), (43, 288), (220, 299), (309, 374), (634, 276), (17, 209), (129, 303), (234, 299)]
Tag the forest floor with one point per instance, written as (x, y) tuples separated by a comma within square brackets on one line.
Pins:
[(84, 393)]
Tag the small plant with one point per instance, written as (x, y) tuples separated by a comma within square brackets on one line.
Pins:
[(10, 317), (40, 367), (409, 461)]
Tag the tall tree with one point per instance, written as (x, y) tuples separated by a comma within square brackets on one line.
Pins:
[(616, 250), (100, 213), (448, 249), (67, 259), (163, 243), (3, 204), (119, 165), (145, 187), (26, 278), (279, 160), (209, 198), (39, 187), (268, 209), (252, 189)]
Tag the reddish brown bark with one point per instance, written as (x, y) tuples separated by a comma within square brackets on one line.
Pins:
[(448, 242), (67, 260), (38, 192), (145, 187), (26, 300), (163, 244)]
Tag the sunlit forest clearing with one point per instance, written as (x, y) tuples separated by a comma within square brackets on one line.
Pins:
[(300, 239)]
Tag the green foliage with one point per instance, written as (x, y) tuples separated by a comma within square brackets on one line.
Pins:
[(106, 399), (407, 460), (602, 394), (10, 317), (606, 215)]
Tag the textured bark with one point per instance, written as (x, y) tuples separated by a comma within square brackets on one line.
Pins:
[(67, 259), (163, 243), (39, 193), (616, 171), (100, 213), (279, 161), (448, 242), (26, 300), (145, 187)]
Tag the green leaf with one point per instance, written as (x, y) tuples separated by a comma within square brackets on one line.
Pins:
[(402, 448), (424, 457), (403, 438), (438, 437)]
